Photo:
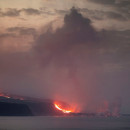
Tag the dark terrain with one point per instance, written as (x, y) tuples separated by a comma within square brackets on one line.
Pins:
[(10, 106)]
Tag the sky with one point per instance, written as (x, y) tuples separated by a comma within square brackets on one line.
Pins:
[(77, 51)]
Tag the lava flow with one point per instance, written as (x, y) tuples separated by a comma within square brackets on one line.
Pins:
[(5, 95), (59, 107)]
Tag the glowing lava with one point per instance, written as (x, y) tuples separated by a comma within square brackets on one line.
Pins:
[(61, 109)]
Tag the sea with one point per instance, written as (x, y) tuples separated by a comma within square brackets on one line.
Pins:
[(64, 123)]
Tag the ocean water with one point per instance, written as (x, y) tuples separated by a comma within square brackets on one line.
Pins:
[(63, 123)]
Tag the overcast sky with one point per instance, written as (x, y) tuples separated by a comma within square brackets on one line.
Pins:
[(80, 55)]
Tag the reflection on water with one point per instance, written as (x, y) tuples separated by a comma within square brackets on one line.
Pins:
[(47, 122)]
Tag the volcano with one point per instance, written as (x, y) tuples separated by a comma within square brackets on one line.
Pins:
[(13, 105)]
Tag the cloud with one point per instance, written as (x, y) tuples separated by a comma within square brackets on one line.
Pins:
[(122, 6), (17, 39), (10, 12), (117, 16), (103, 15), (23, 30), (62, 12), (31, 11), (114, 3), (13, 12), (98, 14), (104, 2), (47, 11), (74, 24), (5, 35)]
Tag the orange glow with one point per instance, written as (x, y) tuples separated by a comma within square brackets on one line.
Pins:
[(3, 95), (58, 106)]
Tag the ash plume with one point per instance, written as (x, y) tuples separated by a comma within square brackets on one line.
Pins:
[(70, 56)]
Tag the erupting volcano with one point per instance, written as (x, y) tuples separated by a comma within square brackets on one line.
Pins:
[(14, 105)]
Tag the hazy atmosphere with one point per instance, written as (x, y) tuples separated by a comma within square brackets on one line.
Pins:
[(77, 51)]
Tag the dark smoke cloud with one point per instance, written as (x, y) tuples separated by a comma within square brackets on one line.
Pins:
[(76, 30)]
